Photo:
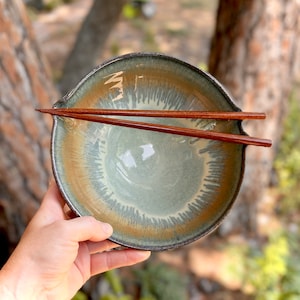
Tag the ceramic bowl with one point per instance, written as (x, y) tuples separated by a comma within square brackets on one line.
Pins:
[(157, 190)]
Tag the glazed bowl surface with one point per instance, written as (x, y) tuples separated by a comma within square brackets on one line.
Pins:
[(157, 190)]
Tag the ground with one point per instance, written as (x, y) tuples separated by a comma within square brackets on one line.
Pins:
[(180, 28)]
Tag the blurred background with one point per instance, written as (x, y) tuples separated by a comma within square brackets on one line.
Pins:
[(252, 47)]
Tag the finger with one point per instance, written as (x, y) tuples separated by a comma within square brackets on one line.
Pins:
[(96, 247), (88, 229), (106, 261)]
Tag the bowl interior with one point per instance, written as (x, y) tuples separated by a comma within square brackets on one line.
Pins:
[(158, 190)]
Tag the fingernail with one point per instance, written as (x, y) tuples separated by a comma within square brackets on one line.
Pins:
[(107, 228), (143, 254)]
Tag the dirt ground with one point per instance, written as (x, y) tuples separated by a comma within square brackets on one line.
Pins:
[(183, 29)]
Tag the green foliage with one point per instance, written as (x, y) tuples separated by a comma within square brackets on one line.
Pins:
[(287, 163), (129, 11), (147, 32), (161, 282), (266, 270), (156, 281), (52, 4), (115, 49), (115, 297), (80, 296), (272, 272), (117, 291), (234, 269), (202, 4), (291, 281), (177, 30), (115, 281)]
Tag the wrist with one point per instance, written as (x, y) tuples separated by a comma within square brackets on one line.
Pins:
[(19, 286), (5, 292)]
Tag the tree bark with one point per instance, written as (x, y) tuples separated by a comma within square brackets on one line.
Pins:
[(90, 41), (24, 134), (253, 53)]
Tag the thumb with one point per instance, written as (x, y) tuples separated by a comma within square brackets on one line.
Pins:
[(51, 208)]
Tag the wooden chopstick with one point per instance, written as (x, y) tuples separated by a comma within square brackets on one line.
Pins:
[(225, 137), (219, 115)]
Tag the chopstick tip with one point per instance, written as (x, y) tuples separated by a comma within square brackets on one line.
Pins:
[(39, 109), (44, 110)]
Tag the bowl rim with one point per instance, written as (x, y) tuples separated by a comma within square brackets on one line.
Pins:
[(200, 72)]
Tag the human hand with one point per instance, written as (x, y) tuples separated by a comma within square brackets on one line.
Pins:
[(57, 255)]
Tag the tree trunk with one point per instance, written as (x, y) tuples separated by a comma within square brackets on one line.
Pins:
[(90, 41), (252, 53), (24, 134)]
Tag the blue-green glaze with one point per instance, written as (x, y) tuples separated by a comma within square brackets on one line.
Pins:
[(158, 190)]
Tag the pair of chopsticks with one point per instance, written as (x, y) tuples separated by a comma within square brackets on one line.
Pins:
[(96, 115)]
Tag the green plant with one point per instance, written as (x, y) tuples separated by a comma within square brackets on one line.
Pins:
[(159, 281), (266, 269), (129, 11), (117, 290), (291, 281), (273, 272), (174, 30), (200, 4), (52, 4), (156, 281), (287, 163), (115, 48), (80, 296)]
